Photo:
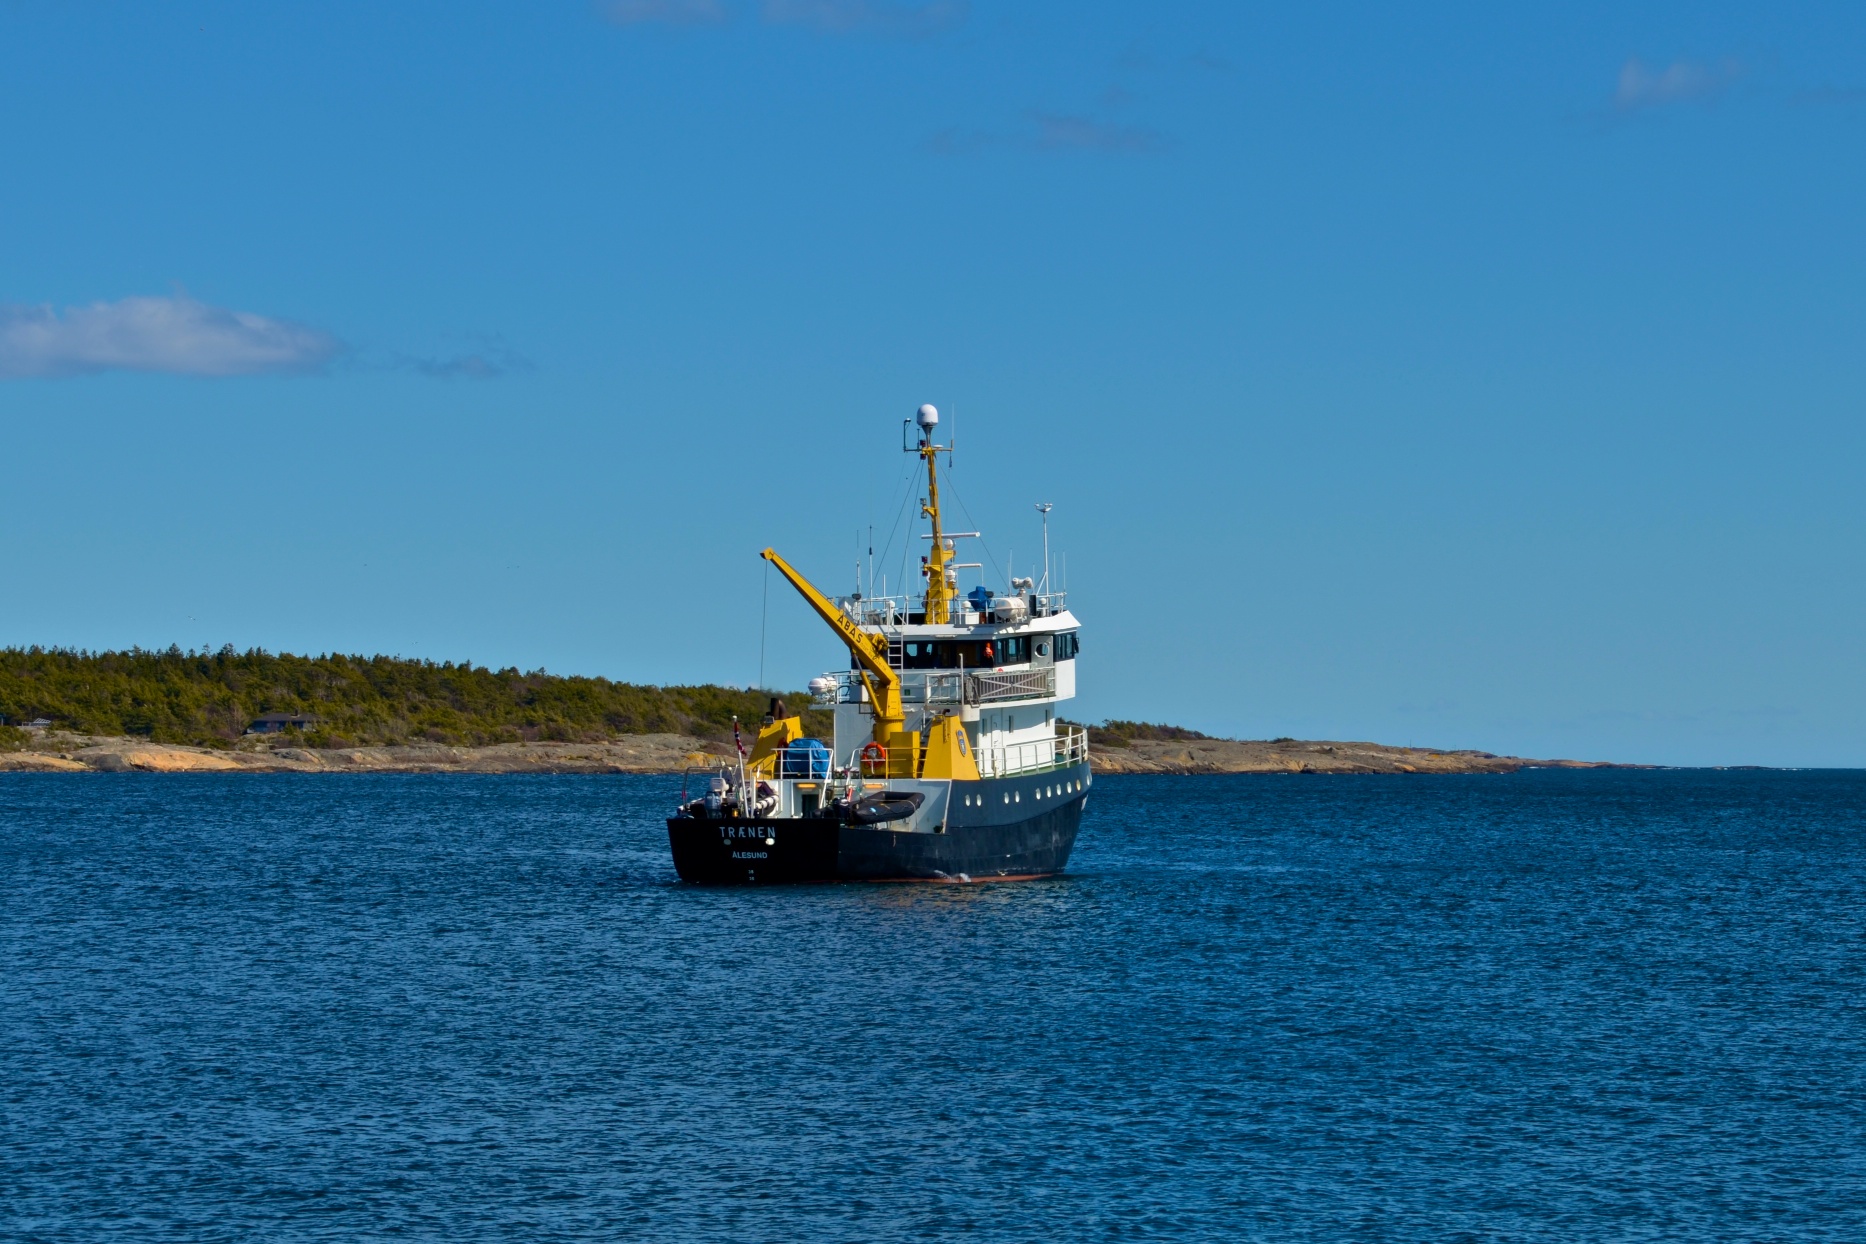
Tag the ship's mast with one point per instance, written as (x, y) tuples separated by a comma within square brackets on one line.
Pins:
[(940, 587)]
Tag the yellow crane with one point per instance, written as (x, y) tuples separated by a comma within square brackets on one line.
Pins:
[(945, 752), (870, 650)]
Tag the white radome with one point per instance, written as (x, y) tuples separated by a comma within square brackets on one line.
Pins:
[(927, 416)]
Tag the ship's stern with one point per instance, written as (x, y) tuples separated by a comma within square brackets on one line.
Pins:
[(741, 851)]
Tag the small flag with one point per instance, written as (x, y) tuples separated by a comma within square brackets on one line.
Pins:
[(736, 740)]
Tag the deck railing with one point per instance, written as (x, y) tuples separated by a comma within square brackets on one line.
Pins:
[(889, 612), (954, 686), (1067, 748), (993, 687)]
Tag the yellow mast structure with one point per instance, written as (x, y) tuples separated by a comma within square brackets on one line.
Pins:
[(940, 588)]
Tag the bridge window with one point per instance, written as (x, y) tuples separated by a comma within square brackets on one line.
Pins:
[(1067, 645), (971, 654)]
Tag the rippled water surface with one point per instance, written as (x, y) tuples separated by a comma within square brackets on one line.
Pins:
[(1551, 1006)]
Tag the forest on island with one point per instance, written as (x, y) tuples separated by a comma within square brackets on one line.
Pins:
[(210, 697)]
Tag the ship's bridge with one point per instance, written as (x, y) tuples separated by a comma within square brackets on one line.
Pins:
[(1005, 680)]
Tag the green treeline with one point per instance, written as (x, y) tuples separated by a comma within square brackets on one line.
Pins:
[(1123, 733), (209, 698)]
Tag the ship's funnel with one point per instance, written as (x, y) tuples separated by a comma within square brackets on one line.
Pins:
[(928, 418)]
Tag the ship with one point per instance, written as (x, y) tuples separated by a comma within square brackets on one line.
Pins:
[(948, 759)]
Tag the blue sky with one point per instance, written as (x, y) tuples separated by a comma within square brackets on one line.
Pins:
[(1471, 375)]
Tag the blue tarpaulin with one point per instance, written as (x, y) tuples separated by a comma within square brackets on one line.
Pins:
[(805, 758)]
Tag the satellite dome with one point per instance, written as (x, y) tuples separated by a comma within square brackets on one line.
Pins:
[(926, 416)]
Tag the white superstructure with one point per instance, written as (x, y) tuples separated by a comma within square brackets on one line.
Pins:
[(1005, 666)]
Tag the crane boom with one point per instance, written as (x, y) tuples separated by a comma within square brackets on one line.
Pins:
[(869, 648)]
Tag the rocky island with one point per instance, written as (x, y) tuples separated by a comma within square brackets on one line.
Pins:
[(675, 753), (255, 712)]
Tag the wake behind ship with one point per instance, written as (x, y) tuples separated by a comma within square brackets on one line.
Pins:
[(948, 761)]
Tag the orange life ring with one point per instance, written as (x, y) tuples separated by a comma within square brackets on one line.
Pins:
[(874, 759)]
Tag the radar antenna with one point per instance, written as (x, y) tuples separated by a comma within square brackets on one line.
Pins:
[(1044, 508)]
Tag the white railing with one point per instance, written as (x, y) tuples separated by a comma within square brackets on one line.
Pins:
[(893, 611), (872, 760), (995, 687), (1068, 748), (953, 686), (884, 611)]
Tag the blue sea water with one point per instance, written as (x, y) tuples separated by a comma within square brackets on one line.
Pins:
[(1547, 1006)]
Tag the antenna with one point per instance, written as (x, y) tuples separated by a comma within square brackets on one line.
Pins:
[(1044, 508)]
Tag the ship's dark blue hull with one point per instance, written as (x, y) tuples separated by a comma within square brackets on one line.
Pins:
[(999, 829)]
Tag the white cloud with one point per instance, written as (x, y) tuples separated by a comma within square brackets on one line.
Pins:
[(666, 12), (1640, 87), (177, 335)]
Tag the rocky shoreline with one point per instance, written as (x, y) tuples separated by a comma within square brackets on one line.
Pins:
[(1193, 756), (673, 753), (644, 753)]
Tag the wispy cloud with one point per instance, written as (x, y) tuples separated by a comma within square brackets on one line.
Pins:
[(176, 335), (1052, 131), (880, 17), (488, 358), (1138, 57), (1056, 131), (1830, 95), (665, 12), (1641, 87), (889, 18)]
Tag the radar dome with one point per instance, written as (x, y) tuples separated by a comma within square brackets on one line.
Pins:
[(926, 416)]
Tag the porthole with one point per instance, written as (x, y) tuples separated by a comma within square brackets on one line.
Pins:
[(1017, 796), (1007, 799)]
